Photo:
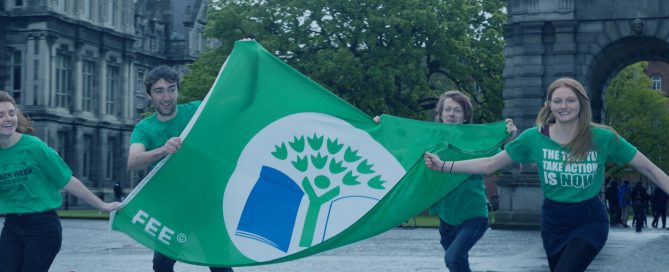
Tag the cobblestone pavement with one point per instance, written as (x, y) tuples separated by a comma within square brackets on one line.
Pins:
[(89, 245)]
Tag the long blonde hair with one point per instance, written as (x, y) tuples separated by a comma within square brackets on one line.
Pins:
[(582, 143), (24, 123)]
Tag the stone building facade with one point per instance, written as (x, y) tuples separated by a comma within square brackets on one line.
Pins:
[(76, 68), (589, 40)]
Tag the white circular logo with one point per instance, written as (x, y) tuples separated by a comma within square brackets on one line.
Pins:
[(302, 180)]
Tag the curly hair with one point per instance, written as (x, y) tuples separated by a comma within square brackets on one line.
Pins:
[(161, 72)]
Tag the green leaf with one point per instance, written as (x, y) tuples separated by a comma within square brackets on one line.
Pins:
[(351, 156), (365, 168), (376, 183), (336, 167), (315, 142), (350, 179), (319, 161), (280, 152), (334, 146), (301, 163), (297, 144)]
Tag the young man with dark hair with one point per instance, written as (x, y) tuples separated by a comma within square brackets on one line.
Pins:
[(157, 135)]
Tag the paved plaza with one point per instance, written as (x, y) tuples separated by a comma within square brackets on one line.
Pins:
[(89, 246)]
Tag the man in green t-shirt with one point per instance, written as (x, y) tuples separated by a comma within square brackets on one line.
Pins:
[(157, 135)]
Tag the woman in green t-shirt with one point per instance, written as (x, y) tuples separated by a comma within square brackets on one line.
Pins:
[(31, 176), (570, 152)]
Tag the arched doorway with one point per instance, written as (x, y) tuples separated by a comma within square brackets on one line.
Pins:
[(587, 40)]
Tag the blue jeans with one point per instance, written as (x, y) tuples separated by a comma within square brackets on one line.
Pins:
[(30, 241), (459, 239), (162, 263)]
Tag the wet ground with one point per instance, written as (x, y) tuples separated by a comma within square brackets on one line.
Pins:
[(89, 245)]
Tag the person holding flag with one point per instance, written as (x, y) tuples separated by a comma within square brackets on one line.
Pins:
[(463, 213), (157, 135), (570, 152), (31, 176)]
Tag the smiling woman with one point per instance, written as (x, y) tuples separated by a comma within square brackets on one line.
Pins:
[(570, 152), (31, 176)]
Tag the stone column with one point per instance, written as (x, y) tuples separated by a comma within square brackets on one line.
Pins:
[(31, 82), (102, 83), (44, 82), (128, 80), (78, 82), (520, 195)]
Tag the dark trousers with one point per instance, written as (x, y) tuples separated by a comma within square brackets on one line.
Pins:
[(457, 240), (30, 241), (162, 263), (657, 213), (639, 216), (614, 218)]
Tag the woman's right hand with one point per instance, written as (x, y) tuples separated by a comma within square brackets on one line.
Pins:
[(433, 162), (110, 206), (377, 119)]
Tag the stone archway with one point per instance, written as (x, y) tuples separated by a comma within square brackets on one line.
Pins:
[(589, 40)]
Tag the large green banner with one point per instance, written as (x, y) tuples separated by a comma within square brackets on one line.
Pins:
[(275, 167)]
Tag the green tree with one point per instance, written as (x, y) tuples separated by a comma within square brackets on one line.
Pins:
[(391, 56), (639, 114), (324, 155)]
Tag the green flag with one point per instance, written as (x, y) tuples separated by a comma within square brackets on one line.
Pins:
[(274, 167)]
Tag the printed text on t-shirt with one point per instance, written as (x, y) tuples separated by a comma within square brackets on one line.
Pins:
[(559, 169)]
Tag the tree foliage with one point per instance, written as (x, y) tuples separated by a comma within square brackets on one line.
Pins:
[(390, 56), (639, 114)]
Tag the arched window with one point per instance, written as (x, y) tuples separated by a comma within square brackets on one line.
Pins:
[(656, 82)]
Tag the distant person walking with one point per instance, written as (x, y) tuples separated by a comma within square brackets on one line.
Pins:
[(118, 192), (639, 201), (611, 196), (659, 204), (625, 201)]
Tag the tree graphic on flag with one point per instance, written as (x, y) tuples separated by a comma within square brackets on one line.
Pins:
[(274, 167)]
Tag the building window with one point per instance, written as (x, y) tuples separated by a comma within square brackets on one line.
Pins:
[(88, 85), (63, 84), (111, 148), (88, 147), (16, 76), (656, 82), (112, 89), (113, 12), (61, 145)]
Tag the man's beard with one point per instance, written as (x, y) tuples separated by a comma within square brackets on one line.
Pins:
[(169, 112)]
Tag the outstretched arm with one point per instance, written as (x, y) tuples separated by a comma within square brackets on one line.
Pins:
[(484, 166), (78, 189), (650, 170)]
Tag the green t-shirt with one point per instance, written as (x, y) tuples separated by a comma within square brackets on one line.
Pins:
[(153, 133), (31, 175), (467, 201), (566, 181)]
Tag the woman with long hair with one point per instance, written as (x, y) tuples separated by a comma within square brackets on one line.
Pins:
[(570, 152)]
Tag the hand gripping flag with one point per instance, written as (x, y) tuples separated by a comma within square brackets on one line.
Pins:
[(274, 167)]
